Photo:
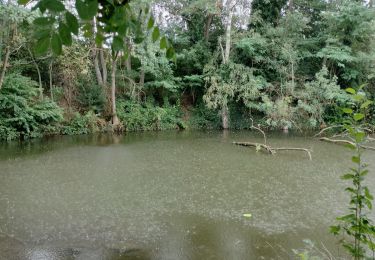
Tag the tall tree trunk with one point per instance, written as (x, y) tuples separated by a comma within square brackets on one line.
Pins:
[(142, 76), (12, 33), (50, 79), (115, 120), (104, 66), (207, 27), (291, 6), (228, 32), (40, 81), (128, 62), (39, 75), (5, 65), (225, 116), (98, 72)]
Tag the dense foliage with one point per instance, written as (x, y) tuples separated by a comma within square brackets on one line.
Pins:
[(283, 64), (22, 115)]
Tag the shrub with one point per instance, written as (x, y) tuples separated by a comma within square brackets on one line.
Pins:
[(145, 116), (203, 118), (90, 96), (22, 114), (81, 124)]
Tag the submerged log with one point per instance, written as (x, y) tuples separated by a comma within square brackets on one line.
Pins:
[(273, 150)]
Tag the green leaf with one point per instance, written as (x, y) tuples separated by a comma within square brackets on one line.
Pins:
[(72, 22), (358, 116), (150, 23), (65, 35), (346, 217), (42, 33), (350, 90), (347, 110), (366, 104), (155, 34), (43, 21), (359, 136), (347, 176), (350, 190), (42, 45), (362, 86), (87, 30), (350, 146), (54, 5), (368, 194), (247, 215), (87, 9), (23, 2), (170, 53), (138, 40), (335, 230), (117, 44), (358, 97), (356, 159), (364, 173), (56, 44), (368, 204), (163, 43), (99, 39)]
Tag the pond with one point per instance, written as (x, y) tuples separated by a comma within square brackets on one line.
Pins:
[(169, 195)]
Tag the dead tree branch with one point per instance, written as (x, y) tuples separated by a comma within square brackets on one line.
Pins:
[(342, 141), (269, 149)]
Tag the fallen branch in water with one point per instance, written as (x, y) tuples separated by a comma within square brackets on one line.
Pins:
[(273, 150), (268, 148), (341, 141), (327, 128)]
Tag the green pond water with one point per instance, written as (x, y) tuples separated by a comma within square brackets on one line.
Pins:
[(169, 195)]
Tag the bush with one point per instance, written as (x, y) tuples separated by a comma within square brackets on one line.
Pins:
[(145, 116), (22, 114), (90, 96), (204, 118), (82, 124)]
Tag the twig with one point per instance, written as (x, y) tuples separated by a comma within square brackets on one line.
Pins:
[(260, 130)]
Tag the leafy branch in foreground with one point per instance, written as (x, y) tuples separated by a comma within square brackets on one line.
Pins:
[(108, 22), (357, 228)]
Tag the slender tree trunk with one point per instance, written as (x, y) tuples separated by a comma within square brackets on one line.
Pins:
[(40, 82), (98, 73), (225, 117), (371, 3), (104, 66), (128, 62), (207, 27), (50, 79), (39, 75), (142, 76), (291, 6), (12, 33), (228, 31), (115, 120), (5, 65)]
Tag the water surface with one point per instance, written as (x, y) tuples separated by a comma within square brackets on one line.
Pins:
[(169, 195)]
